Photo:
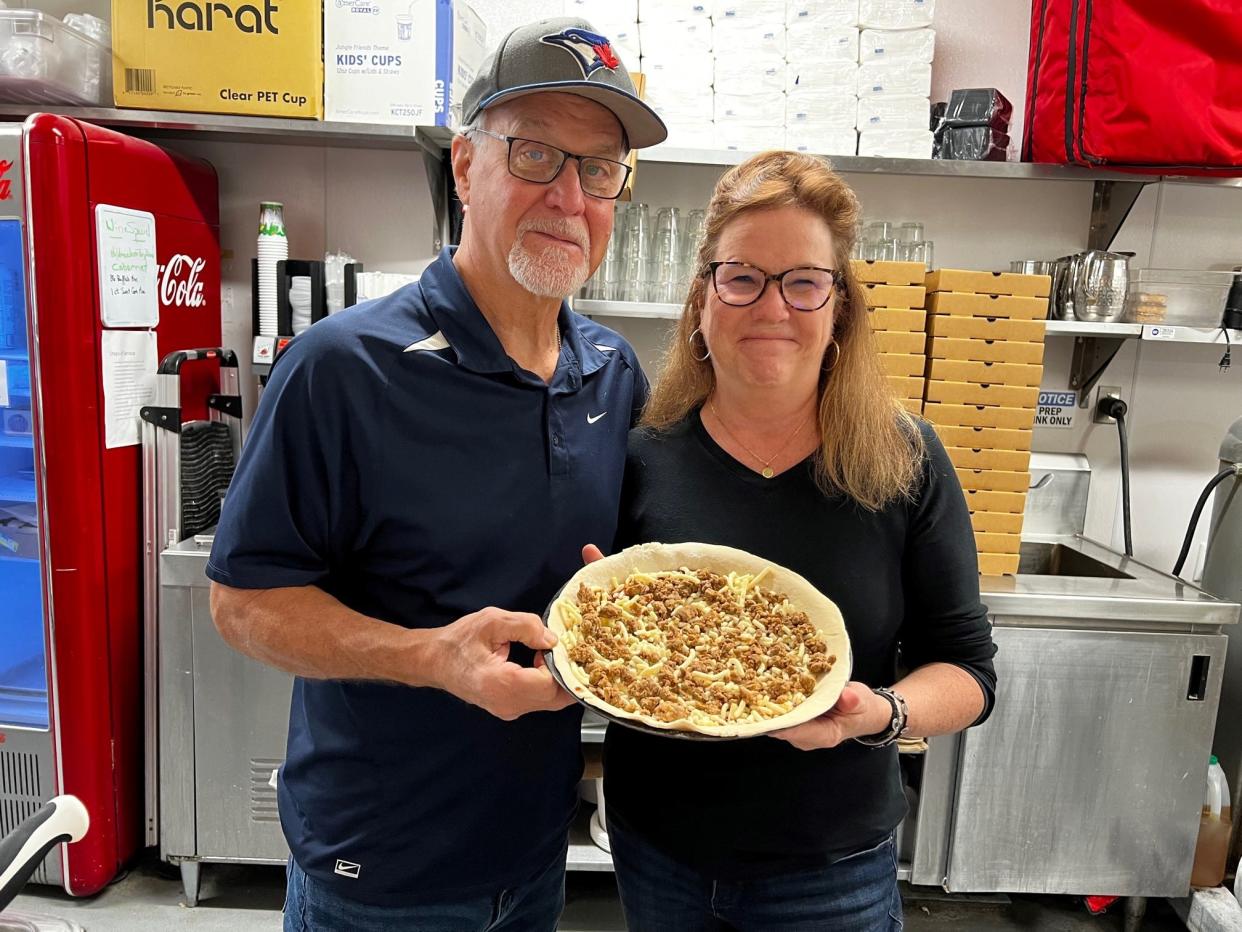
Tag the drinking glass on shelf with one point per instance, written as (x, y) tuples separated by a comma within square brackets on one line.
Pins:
[(665, 274), (691, 235), (910, 232), (636, 255), (877, 231)]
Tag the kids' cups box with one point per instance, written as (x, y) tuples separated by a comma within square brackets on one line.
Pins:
[(400, 61)]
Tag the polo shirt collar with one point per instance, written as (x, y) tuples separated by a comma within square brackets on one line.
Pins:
[(467, 332)]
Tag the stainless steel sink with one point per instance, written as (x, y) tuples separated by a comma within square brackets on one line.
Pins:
[(1051, 559)]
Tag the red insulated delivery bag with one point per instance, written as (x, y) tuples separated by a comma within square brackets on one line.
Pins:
[(1148, 85)]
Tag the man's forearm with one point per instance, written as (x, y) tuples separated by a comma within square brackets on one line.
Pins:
[(308, 633)]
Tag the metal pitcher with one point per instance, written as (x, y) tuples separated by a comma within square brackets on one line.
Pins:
[(1100, 284), (1064, 271)]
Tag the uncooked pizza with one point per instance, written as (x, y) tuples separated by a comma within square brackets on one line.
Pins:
[(692, 645)]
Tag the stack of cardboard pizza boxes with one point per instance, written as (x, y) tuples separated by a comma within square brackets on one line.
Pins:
[(985, 352), (895, 298)]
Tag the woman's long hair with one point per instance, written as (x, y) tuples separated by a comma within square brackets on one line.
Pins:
[(871, 448)]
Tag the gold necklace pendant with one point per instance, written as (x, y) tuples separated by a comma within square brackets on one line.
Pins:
[(767, 472)]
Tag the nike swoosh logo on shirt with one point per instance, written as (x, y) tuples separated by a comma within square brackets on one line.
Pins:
[(592, 420)]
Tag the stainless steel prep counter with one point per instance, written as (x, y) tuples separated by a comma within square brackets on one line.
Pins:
[(1088, 777)]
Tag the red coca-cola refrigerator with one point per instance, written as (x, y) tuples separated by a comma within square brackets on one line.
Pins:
[(109, 260)]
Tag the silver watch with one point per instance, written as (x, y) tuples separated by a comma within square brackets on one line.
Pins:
[(901, 713)]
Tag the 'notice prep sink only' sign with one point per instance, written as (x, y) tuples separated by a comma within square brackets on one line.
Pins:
[(1056, 410)]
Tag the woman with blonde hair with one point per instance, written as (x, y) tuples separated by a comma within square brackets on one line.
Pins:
[(772, 428)]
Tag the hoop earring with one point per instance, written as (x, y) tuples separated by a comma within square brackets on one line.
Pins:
[(836, 358), (706, 355)]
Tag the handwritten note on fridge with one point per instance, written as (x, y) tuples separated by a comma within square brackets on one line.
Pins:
[(127, 267)]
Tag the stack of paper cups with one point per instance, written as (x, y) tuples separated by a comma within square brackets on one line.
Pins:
[(273, 248)]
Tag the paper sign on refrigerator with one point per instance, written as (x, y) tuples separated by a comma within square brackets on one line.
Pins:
[(127, 267)]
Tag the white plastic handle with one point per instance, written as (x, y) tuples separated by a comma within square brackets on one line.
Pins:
[(63, 819)]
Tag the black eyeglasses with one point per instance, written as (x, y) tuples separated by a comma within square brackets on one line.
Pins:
[(541, 163), (806, 288)]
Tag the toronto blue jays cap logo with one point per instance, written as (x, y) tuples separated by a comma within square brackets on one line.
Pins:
[(590, 50)]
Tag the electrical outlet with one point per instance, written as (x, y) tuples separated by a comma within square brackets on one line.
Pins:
[(1102, 392)]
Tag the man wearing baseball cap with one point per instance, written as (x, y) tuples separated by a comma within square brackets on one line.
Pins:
[(420, 477)]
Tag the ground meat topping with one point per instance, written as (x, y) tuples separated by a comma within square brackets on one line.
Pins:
[(704, 647)]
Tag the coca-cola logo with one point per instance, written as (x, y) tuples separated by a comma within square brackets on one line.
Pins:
[(6, 183), (179, 282)]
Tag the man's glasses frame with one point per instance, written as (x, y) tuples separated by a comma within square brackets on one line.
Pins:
[(583, 162)]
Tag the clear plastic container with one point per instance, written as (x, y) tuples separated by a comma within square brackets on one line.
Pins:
[(43, 61), (1188, 298)]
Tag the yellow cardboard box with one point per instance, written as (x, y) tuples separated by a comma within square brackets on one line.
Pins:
[(888, 273), (972, 393), (983, 438), (1035, 286), (988, 542), (909, 320), (979, 416), (895, 342), (995, 480), (986, 328), (907, 386), (980, 458), (987, 305), (995, 522), (985, 373), (894, 295), (1031, 354), (903, 363), (1013, 503), (998, 564), (256, 57)]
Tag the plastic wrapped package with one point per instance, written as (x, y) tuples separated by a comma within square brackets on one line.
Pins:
[(42, 60), (937, 126), (763, 109), (748, 77), (886, 78), (760, 40), (769, 11), (668, 11), (602, 11), (896, 113), (822, 12), (838, 78), (683, 106), (896, 14), (671, 38), (821, 140), (689, 134), (808, 43), (695, 70), (974, 143), (979, 106), (908, 45), (748, 137), (838, 111), (900, 144)]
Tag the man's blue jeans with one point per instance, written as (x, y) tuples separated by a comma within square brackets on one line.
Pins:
[(534, 906)]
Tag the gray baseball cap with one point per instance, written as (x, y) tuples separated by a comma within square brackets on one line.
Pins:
[(569, 56)]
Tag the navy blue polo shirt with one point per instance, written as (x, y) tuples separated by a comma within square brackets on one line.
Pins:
[(403, 463)]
